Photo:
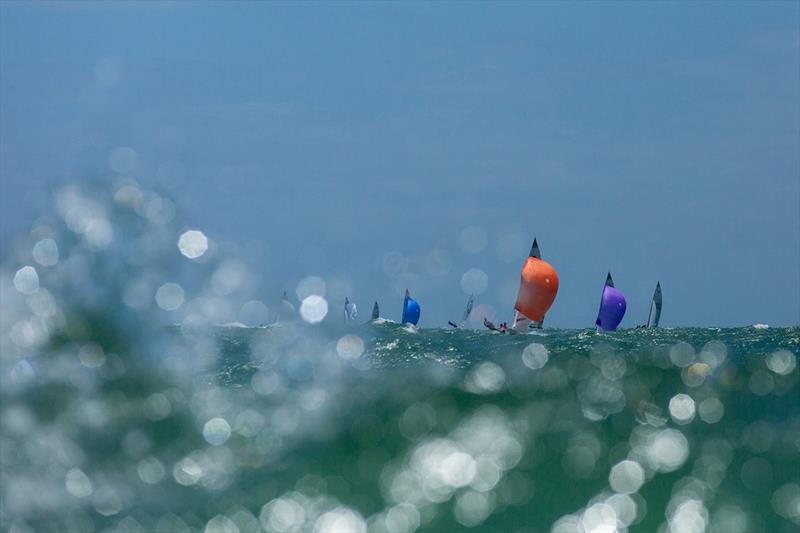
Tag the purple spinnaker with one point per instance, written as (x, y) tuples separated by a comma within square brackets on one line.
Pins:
[(612, 309)]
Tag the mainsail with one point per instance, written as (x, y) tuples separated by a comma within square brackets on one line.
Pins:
[(410, 310), (538, 286), (612, 307), (655, 308), (350, 310), (467, 311), (376, 313)]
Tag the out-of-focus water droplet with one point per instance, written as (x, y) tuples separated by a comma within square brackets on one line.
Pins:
[(106, 501), (626, 477), (682, 408), (473, 239), (216, 431), (668, 449), (221, 524), (350, 347), (681, 354), (782, 362), (122, 159), (473, 508), (45, 252), (486, 378), (169, 296), (313, 309), (78, 484), (535, 356), (474, 281), (310, 286), (711, 410), (254, 313), (26, 280), (92, 355), (394, 264), (150, 470), (193, 244)]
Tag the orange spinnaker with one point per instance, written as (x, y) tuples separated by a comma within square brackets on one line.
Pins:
[(538, 286)]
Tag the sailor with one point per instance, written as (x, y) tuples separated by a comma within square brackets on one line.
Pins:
[(489, 324), (454, 325)]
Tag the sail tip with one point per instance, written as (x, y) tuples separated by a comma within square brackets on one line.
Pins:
[(535, 250)]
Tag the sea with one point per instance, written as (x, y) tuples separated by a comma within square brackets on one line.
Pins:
[(114, 421)]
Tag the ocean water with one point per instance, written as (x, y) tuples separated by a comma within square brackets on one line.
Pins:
[(113, 420)]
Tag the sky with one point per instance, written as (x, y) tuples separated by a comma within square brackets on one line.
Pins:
[(381, 146)]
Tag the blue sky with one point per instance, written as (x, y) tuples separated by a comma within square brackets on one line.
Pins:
[(356, 141)]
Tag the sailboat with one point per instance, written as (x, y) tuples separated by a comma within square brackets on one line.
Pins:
[(410, 310), (376, 312), (467, 311), (287, 309), (655, 308), (538, 286), (350, 310), (612, 307)]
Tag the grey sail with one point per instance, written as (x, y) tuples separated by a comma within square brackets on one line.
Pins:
[(655, 308), (467, 311), (376, 313), (609, 280), (535, 250), (287, 309)]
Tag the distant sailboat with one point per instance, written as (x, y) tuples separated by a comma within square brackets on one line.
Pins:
[(655, 308), (612, 307), (376, 312), (287, 309), (410, 310), (467, 311), (538, 286), (350, 310)]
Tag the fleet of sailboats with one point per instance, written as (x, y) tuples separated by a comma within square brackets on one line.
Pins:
[(538, 287)]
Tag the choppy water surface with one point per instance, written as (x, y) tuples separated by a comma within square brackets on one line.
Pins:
[(113, 422)]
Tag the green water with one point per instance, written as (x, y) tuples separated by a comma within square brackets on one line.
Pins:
[(296, 428)]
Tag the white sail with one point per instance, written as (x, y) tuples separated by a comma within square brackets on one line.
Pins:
[(350, 310), (521, 322)]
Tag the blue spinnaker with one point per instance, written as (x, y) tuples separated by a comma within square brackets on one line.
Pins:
[(410, 310)]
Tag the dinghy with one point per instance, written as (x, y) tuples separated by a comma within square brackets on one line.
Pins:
[(655, 308), (410, 310), (612, 307), (376, 313), (467, 311), (350, 310), (538, 286)]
